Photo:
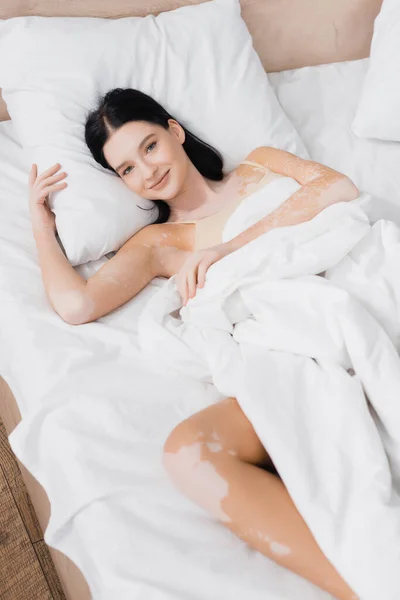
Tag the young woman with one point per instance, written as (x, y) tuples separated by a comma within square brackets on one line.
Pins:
[(161, 160)]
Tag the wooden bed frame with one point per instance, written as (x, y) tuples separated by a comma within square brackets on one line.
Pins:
[(287, 34)]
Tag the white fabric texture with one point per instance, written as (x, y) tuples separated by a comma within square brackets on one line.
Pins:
[(197, 61), (95, 417), (321, 102), (270, 332), (378, 114)]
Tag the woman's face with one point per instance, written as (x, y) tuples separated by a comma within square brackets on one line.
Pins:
[(142, 153)]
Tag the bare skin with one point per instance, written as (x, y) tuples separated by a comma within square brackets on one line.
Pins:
[(216, 459), (220, 439), (254, 503), (189, 195), (141, 153)]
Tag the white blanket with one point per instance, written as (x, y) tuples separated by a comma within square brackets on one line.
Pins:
[(95, 418), (94, 422), (303, 354)]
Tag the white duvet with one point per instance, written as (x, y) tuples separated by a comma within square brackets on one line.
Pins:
[(300, 353), (95, 416)]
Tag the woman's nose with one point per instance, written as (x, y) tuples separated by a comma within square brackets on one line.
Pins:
[(148, 170), (149, 174)]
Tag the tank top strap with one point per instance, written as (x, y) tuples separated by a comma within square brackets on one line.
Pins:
[(267, 172), (254, 164), (179, 222)]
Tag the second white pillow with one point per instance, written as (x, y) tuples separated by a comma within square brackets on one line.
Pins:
[(378, 112)]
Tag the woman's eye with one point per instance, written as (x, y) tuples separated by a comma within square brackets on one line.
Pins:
[(126, 171)]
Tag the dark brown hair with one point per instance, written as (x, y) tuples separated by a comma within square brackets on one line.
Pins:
[(120, 106)]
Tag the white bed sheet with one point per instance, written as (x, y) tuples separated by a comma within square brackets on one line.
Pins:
[(82, 390), (136, 517)]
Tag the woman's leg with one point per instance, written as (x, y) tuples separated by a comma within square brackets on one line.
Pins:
[(212, 458)]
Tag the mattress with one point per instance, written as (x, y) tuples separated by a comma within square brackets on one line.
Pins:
[(93, 411)]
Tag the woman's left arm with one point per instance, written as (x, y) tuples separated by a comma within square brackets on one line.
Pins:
[(321, 187)]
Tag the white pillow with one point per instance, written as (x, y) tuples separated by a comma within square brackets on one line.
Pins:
[(378, 111), (197, 61)]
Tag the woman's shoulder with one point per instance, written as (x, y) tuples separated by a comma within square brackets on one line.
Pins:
[(256, 167), (257, 153)]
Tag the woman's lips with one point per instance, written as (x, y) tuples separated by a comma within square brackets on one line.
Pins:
[(162, 182)]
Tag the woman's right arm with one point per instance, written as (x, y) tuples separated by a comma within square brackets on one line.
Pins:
[(139, 261), (146, 255), (156, 250)]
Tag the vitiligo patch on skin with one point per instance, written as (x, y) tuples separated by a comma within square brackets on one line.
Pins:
[(249, 182), (214, 446), (275, 547), (280, 549), (197, 479), (112, 279), (321, 186), (312, 199)]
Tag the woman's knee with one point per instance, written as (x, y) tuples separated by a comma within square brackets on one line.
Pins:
[(220, 430), (193, 470), (183, 448)]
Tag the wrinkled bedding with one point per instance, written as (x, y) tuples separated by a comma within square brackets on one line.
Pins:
[(97, 404), (303, 354)]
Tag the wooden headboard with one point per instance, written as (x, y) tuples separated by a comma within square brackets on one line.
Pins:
[(287, 34)]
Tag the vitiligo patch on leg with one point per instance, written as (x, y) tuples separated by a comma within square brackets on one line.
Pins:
[(275, 547), (280, 549), (214, 446), (197, 478)]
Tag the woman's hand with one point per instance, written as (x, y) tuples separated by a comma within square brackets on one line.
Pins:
[(193, 271), (39, 189)]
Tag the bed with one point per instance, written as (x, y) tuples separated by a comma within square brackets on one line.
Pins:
[(49, 370)]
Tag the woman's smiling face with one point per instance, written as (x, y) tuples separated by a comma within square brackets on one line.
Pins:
[(143, 153)]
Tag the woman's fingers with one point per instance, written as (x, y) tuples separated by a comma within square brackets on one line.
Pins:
[(49, 172), (201, 274), (187, 278), (184, 291), (51, 180), (53, 188), (180, 285), (47, 178), (192, 277), (193, 273), (32, 175)]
